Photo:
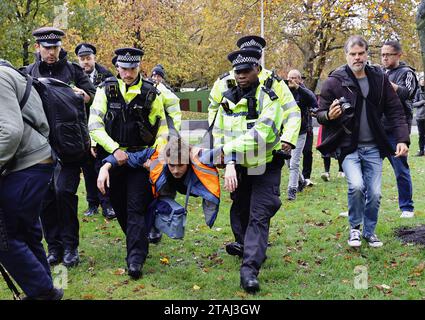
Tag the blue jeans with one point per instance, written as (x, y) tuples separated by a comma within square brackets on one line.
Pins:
[(404, 180), (363, 171)]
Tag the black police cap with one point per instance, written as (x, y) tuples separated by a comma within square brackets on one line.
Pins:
[(129, 57), (251, 42), (244, 59), (84, 49), (48, 36)]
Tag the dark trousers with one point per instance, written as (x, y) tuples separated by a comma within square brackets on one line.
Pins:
[(131, 194), (60, 209), (255, 202), (421, 133), (21, 196), (308, 155), (94, 196), (327, 164), (404, 180)]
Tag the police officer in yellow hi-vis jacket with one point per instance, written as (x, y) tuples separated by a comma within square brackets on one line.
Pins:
[(127, 114), (247, 129), (266, 77)]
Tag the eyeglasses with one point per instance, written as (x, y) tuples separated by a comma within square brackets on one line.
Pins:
[(384, 55)]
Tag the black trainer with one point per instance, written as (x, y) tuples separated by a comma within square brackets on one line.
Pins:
[(71, 258), (91, 211), (54, 257), (235, 249), (292, 194), (135, 271), (250, 284), (109, 213)]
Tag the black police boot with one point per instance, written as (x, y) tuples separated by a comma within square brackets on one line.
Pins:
[(109, 213), (91, 211), (135, 271), (250, 284), (53, 294), (420, 153), (234, 249), (54, 257), (154, 236), (71, 258)]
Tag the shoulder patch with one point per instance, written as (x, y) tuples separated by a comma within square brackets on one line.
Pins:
[(224, 75), (273, 96)]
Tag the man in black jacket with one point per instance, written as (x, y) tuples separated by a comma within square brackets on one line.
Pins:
[(306, 101), (97, 73), (403, 79), (59, 214), (352, 102)]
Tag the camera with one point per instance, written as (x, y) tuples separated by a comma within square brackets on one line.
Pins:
[(345, 105)]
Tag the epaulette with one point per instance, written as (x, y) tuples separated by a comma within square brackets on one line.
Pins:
[(273, 96), (275, 76), (224, 75), (149, 85)]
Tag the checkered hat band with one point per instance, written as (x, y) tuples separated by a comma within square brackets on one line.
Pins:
[(240, 59), (251, 43), (84, 49), (50, 36), (128, 58)]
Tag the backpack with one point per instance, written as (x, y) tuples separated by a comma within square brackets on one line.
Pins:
[(167, 216), (66, 114)]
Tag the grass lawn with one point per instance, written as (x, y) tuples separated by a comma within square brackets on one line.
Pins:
[(308, 259)]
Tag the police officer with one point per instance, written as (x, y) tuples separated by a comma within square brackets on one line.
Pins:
[(59, 215), (292, 118), (268, 78), (97, 73), (247, 130), (128, 115)]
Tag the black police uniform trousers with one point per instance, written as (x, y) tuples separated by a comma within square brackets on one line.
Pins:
[(94, 196), (255, 202), (59, 216), (130, 194), (21, 196)]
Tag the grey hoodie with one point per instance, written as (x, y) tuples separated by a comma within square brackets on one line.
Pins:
[(20, 145)]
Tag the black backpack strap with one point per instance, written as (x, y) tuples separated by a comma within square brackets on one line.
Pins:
[(10, 284)]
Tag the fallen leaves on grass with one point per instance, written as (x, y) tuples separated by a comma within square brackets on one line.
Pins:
[(165, 261), (196, 287), (88, 297), (417, 272), (119, 272)]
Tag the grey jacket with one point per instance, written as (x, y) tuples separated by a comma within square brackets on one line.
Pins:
[(20, 145)]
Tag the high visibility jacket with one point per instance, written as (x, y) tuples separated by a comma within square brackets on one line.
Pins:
[(251, 141), (292, 114), (98, 111), (201, 179), (171, 104)]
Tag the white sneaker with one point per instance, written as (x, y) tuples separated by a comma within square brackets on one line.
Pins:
[(407, 214), (308, 183), (354, 239), (326, 176), (374, 241), (341, 174), (343, 214)]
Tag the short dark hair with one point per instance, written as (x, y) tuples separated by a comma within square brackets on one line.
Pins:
[(395, 44), (355, 40)]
